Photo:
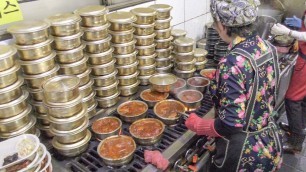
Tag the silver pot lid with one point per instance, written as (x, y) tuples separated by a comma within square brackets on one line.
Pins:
[(161, 7), (184, 41), (92, 10), (144, 11), (7, 51), (28, 26), (121, 17), (199, 52), (178, 32), (63, 19)]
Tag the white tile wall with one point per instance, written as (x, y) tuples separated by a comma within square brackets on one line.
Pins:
[(178, 11), (195, 8)]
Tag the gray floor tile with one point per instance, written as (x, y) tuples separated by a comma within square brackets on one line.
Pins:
[(286, 168)]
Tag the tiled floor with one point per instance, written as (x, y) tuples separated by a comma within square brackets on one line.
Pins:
[(294, 163)]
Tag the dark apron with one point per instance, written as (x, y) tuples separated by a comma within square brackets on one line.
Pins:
[(229, 150)]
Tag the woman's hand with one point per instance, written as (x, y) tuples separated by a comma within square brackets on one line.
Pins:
[(294, 22), (191, 122), (156, 158), (279, 29)]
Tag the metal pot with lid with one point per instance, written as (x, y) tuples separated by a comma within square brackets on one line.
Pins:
[(144, 15), (121, 21), (64, 24), (163, 10), (183, 45), (93, 15), (7, 59)]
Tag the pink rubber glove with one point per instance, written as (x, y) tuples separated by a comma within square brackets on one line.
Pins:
[(191, 122), (156, 158)]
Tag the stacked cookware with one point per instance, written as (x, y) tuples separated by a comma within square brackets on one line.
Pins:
[(98, 49), (178, 33), (200, 57), (212, 38), (221, 49), (36, 56), (121, 29), (184, 57), (163, 38), (144, 35), (67, 114)]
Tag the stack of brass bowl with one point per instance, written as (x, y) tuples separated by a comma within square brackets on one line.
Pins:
[(184, 57), (67, 114), (178, 33), (65, 28), (122, 31), (200, 56), (163, 38), (144, 35), (15, 118)]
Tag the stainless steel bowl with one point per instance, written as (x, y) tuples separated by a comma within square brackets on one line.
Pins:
[(184, 57), (147, 70), (186, 66), (95, 33), (7, 57), (129, 90), (86, 89), (145, 40), (163, 43), (102, 136), (42, 119), (67, 42), (144, 15), (107, 91), (184, 74), (61, 89), (39, 107), (143, 30), (15, 107), (70, 56), (167, 120), (84, 77), (39, 66), (162, 82), (36, 81), (163, 10), (135, 117), (178, 86), (9, 77), (120, 37), (200, 65), (163, 34), (184, 45), (127, 69), (74, 68), (163, 23), (64, 24), (128, 79), (126, 59), (163, 62), (104, 69), (146, 50), (89, 100), (198, 83), (36, 94), (200, 54), (144, 80), (36, 51), (12, 92), (146, 60), (167, 69), (45, 129), (191, 98), (101, 58), (126, 48), (151, 103), (178, 33), (16, 122), (92, 15), (162, 53), (106, 80), (121, 21), (92, 111), (99, 46), (106, 102)]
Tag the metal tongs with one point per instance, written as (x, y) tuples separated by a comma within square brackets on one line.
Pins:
[(182, 114)]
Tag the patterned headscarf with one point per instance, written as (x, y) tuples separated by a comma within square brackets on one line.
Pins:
[(234, 13)]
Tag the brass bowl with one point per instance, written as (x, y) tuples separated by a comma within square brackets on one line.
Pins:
[(67, 42), (42, 119), (163, 62), (144, 80), (186, 66), (107, 91), (92, 111), (39, 66), (184, 45), (163, 34), (145, 40), (9, 77), (146, 60), (29, 128), (102, 136), (104, 69), (169, 102), (95, 33), (89, 100), (200, 65), (125, 48), (184, 57), (39, 107), (120, 37), (200, 54), (146, 50), (131, 119), (178, 33), (126, 59), (74, 68), (198, 83), (178, 86), (70, 56), (162, 82), (11, 92), (101, 58), (86, 89), (163, 10), (106, 102), (61, 89), (64, 24), (167, 69), (16, 122), (129, 90), (196, 96), (151, 103), (184, 74), (36, 94), (127, 69), (7, 57), (121, 21), (15, 107), (147, 70), (36, 81), (92, 15), (99, 46), (84, 77), (106, 80), (128, 79), (163, 23), (162, 53), (36, 51), (163, 43), (45, 129), (144, 15), (143, 30)]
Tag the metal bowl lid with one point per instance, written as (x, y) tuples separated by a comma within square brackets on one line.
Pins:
[(70, 65), (164, 20), (184, 41), (70, 37), (129, 76), (161, 7), (144, 11), (35, 46), (63, 19), (125, 44), (147, 57), (109, 97), (7, 51), (178, 32), (22, 98), (200, 52), (20, 131), (164, 40), (129, 86), (61, 83), (129, 65), (23, 114), (121, 17), (101, 41), (72, 146), (114, 85), (14, 86), (110, 51), (92, 10), (106, 76), (28, 26), (96, 28), (79, 129), (68, 52), (164, 50), (163, 79), (38, 61), (144, 25), (65, 121)]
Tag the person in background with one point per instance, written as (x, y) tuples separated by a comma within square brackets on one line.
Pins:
[(295, 101), (243, 92)]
